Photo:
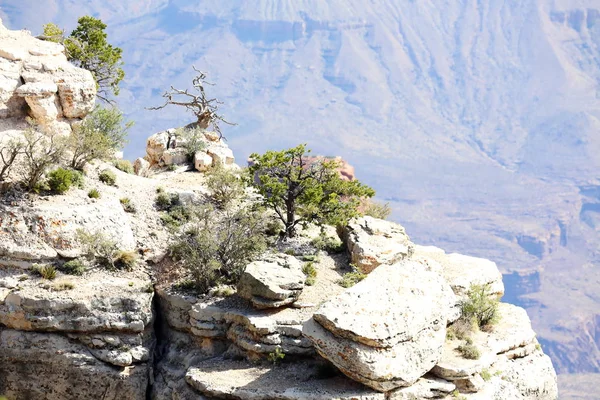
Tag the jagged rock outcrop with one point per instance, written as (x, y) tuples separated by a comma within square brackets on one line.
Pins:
[(372, 242), (37, 79), (272, 282)]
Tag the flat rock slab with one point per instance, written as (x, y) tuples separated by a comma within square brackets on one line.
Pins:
[(393, 304), (373, 242), (428, 387), (382, 369), (98, 303), (273, 282), (49, 229), (462, 271), (226, 379)]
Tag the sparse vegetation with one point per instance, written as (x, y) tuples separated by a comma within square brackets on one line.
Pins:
[(486, 374), (62, 286), (94, 194), (192, 140), (105, 252), (303, 191), (40, 152), (461, 329), (376, 210), (124, 259), (108, 177), (329, 244), (216, 249), (46, 271), (351, 278), (77, 179), (72, 267), (311, 273), (8, 156), (128, 205), (481, 306), (276, 356), (225, 186), (99, 136), (469, 351), (124, 165), (60, 180)]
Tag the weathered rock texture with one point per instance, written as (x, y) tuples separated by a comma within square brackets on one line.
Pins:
[(168, 148), (272, 282), (37, 80), (372, 242)]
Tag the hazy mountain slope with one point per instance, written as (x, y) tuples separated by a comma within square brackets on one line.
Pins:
[(478, 120)]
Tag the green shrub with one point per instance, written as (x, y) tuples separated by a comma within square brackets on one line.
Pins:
[(310, 257), (77, 179), (128, 206), (94, 194), (60, 180), (217, 248), (377, 210), (481, 305), (61, 286), (124, 165), (171, 167), (225, 185), (310, 281), (486, 374), (462, 328), (273, 228), (98, 248), (309, 269), (46, 271), (72, 267), (329, 244), (351, 278), (108, 177), (193, 140), (124, 259), (469, 351), (276, 356), (164, 201)]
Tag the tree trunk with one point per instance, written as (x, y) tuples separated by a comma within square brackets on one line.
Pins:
[(290, 226)]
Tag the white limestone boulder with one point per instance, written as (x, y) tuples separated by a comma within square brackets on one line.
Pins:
[(388, 330), (462, 271), (373, 242), (272, 282)]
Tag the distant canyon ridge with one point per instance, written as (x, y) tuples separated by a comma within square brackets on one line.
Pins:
[(477, 121)]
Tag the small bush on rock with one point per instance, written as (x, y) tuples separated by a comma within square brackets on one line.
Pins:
[(225, 185), (128, 205), (99, 249), (72, 267), (481, 305), (469, 351), (40, 152), (94, 194), (192, 139), (276, 356), (351, 278), (217, 248), (60, 180), (124, 165), (377, 210), (108, 177), (62, 286), (125, 260), (77, 179), (46, 271), (329, 244)]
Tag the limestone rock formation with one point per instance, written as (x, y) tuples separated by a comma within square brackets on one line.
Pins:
[(272, 282), (168, 148), (398, 312), (37, 79), (372, 242)]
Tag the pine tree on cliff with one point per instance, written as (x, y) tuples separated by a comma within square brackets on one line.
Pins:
[(87, 47), (301, 190)]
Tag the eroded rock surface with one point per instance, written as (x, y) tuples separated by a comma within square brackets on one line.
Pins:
[(373, 242), (37, 79)]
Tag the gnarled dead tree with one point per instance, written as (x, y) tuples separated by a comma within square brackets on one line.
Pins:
[(204, 108)]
